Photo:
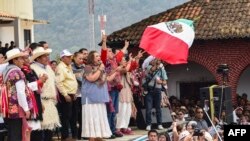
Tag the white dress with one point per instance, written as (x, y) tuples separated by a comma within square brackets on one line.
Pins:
[(94, 121), (125, 104)]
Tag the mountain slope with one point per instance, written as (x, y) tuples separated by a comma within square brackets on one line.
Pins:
[(69, 24)]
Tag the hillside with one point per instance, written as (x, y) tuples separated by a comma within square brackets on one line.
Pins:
[(69, 22)]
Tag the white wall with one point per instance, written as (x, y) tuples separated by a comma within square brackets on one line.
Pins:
[(6, 34), (190, 72), (19, 8), (8, 6), (244, 83)]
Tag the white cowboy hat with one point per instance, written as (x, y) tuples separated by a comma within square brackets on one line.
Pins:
[(14, 53), (39, 51)]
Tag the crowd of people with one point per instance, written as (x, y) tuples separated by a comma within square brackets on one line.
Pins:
[(190, 122), (93, 95), (85, 94)]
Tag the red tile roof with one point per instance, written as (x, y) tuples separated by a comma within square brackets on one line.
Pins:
[(6, 15), (217, 19)]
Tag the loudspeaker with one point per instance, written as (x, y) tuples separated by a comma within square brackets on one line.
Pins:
[(166, 118), (222, 100)]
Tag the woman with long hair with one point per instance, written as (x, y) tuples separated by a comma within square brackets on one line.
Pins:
[(94, 92)]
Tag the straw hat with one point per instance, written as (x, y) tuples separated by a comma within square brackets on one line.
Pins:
[(39, 51), (14, 53)]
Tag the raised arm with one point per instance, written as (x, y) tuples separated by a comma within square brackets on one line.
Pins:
[(135, 62), (129, 62), (104, 42), (121, 53), (125, 48), (104, 49)]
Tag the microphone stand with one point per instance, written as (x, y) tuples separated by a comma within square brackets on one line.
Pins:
[(205, 110)]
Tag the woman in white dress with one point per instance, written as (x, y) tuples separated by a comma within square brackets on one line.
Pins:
[(94, 96)]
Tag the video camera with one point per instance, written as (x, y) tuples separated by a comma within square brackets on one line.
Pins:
[(197, 132), (222, 69)]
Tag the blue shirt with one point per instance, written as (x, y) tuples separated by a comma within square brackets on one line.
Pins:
[(93, 93)]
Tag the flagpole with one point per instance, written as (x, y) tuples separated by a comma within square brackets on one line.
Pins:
[(91, 4), (205, 110), (93, 31)]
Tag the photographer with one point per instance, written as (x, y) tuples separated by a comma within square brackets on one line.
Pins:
[(156, 77), (204, 137), (201, 123), (196, 134)]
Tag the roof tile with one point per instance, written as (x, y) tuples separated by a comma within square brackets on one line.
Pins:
[(217, 19)]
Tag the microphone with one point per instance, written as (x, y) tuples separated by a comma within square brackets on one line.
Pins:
[(99, 62)]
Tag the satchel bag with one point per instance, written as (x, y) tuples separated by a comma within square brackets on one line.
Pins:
[(145, 85)]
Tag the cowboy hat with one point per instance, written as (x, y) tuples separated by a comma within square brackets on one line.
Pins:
[(14, 53), (39, 51)]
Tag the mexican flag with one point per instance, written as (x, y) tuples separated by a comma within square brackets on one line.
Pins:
[(169, 41)]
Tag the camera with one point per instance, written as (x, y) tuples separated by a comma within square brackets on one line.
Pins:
[(197, 132), (222, 69)]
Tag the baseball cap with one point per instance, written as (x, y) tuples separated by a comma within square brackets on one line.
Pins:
[(65, 52)]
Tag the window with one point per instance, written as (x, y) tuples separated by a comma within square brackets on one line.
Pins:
[(27, 37)]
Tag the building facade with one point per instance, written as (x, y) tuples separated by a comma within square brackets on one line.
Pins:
[(17, 22)]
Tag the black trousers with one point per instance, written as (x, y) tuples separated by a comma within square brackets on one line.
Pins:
[(79, 117), (3, 131), (47, 135), (14, 127), (36, 135), (68, 117)]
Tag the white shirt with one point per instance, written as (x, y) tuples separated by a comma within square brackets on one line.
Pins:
[(3, 66), (147, 61), (21, 96)]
